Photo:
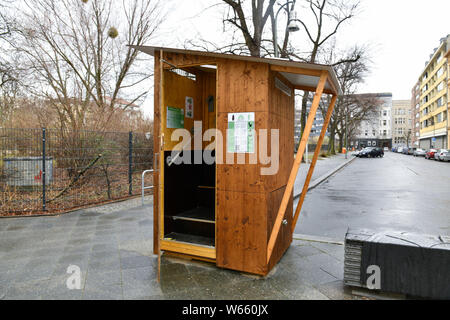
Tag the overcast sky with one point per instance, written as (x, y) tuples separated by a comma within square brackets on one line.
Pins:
[(401, 34)]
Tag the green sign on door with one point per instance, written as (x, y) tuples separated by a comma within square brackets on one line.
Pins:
[(175, 118)]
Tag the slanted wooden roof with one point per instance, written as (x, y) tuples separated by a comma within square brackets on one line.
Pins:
[(303, 76)]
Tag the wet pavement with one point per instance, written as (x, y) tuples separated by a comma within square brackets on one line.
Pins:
[(112, 246), (398, 192), (323, 167)]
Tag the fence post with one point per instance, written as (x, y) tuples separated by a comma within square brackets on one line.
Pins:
[(44, 169), (130, 163)]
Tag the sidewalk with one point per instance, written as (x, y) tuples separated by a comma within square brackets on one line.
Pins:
[(325, 167), (113, 244)]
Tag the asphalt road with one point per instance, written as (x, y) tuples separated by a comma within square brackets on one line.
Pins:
[(397, 192)]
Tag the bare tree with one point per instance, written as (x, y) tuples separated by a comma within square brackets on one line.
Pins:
[(329, 16), (407, 137), (251, 25), (350, 109), (9, 83), (4, 23), (361, 108), (77, 54), (250, 19)]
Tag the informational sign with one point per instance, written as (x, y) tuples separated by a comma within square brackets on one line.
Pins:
[(175, 118), (189, 107), (241, 133)]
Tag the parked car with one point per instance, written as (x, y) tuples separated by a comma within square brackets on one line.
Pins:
[(364, 153), (438, 156), (419, 152), (400, 150), (394, 149), (356, 153), (411, 151), (405, 150), (377, 152), (430, 154), (371, 152), (386, 149), (445, 156)]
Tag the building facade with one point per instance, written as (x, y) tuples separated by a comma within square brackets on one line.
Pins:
[(376, 132), (401, 123), (415, 115), (447, 56), (434, 99), (317, 124)]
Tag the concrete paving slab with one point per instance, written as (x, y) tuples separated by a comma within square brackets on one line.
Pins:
[(117, 262)]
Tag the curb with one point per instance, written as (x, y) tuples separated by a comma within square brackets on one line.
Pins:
[(312, 238), (321, 179), (58, 214)]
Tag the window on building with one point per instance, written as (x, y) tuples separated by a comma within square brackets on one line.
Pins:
[(440, 86), (440, 72), (384, 123)]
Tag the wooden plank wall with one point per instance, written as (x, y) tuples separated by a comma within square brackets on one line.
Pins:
[(176, 59), (156, 149), (282, 113), (241, 196), (176, 89), (246, 202)]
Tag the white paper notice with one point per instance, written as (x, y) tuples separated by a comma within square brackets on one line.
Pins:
[(241, 132)]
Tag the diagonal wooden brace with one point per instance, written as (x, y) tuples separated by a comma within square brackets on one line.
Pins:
[(314, 161), (298, 159)]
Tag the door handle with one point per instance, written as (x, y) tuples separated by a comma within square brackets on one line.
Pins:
[(156, 162)]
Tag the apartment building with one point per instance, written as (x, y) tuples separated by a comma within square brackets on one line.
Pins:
[(415, 115), (317, 124), (434, 99), (401, 123), (447, 56), (376, 132)]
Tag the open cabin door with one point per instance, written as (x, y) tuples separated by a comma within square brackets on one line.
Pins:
[(187, 204)]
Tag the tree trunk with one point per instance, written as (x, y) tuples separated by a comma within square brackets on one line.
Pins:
[(341, 142), (331, 144)]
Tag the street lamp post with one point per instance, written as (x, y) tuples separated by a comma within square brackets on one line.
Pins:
[(346, 135), (292, 25)]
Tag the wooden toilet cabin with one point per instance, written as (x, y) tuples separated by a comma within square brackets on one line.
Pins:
[(228, 212)]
